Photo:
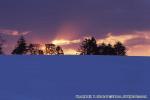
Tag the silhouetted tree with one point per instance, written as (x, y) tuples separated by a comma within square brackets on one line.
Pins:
[(34, 49), (31, 49), (109, 50), (120, 49), (41, 52), (21, 47), (1, 45), (88, 47), (106, 49), (52, 49), (59, 50), (101, 49), (1, 51)]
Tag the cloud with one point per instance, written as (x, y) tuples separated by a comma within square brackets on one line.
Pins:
[(135, 42), (13, 32), (110, 38), (136, 37), (65, 42), (142, 38)]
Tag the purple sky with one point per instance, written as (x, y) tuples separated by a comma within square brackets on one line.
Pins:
[(47, 20)]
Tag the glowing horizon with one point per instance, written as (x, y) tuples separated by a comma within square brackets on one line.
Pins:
[(67, 23), (70, 47)]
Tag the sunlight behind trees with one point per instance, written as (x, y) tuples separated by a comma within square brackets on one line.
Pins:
[(88, 46)]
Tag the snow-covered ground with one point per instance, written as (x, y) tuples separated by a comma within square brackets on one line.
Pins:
[(63, 77)]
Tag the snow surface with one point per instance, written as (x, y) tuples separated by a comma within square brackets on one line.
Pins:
[(63, 77)]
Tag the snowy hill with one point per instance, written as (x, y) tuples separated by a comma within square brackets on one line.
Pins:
[(63, 77)]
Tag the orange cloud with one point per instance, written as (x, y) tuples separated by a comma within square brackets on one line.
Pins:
[(139, 50), (65, 42), (114, 38), (110, 38)]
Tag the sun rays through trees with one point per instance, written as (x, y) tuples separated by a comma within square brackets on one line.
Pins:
[(88, 46)]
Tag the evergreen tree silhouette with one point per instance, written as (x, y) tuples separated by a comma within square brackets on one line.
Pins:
[(1, 51), (88, 47), (120, 49), (104, 49), (109, 50), (21, 47), (101, 49), (1, 45)]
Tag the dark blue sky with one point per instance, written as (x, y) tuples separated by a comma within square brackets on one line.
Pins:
[(46, 16), (46, 19)]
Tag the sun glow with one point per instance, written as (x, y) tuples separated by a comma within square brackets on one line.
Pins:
[(65, 42), (70, 52), (42, 47)]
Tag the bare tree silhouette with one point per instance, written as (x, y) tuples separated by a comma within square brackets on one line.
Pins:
[(34, 49), (52, 49)]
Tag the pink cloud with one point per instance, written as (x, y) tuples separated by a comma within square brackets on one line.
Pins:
[(13, 32)]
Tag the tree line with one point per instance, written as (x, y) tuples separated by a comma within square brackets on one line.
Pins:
[(88, 46)]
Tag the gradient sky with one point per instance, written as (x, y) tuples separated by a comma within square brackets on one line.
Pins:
[(67, 22)]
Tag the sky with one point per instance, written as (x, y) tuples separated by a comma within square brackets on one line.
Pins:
[(68, 22)]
